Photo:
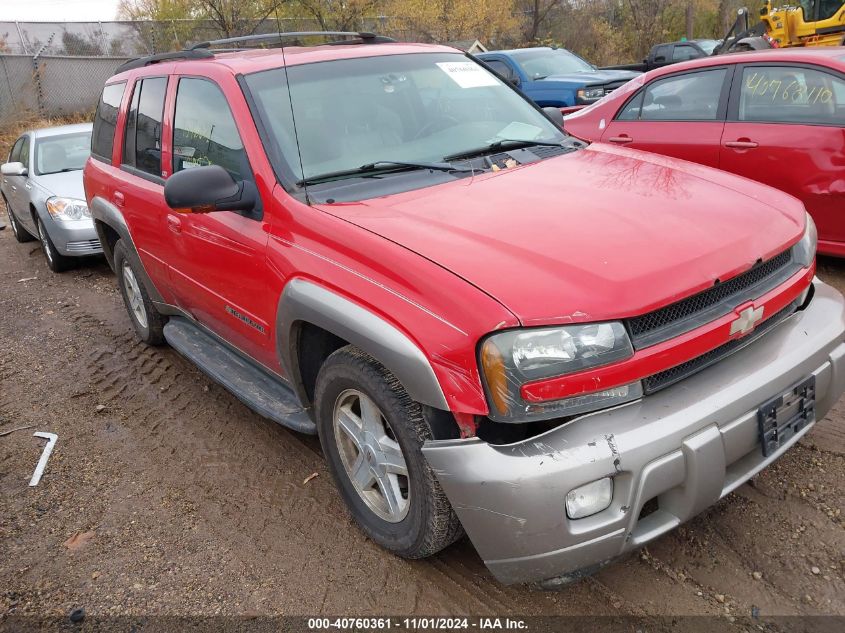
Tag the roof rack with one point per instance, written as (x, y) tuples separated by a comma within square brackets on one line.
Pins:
[(140, 62), (203, 50), (356, 38)]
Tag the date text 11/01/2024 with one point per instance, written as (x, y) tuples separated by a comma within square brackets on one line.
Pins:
[(418, 623)]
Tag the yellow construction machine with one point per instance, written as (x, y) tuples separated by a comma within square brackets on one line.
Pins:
[(810, 23)]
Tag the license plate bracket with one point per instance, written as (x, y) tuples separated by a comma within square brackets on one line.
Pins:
[(783, 416)]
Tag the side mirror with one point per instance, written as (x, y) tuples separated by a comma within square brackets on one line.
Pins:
[(205, 189), (13, 169), (555, 115)]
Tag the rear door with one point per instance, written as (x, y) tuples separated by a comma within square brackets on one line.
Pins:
[(786, 128), (218, 266), (12, 184), (680, 115), (140, 192)]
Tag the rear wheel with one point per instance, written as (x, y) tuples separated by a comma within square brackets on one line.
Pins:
[(146, 320), (20, 233), (372, 433), (57, 262)]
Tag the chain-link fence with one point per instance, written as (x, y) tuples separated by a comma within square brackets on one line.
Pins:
[(59, 68)]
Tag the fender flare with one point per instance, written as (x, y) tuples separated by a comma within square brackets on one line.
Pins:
[(305, 301), (104, 212)]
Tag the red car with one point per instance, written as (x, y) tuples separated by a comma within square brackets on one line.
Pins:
[(775, 116), (564, 350)]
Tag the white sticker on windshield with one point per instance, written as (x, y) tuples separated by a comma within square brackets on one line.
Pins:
[(468, 74)]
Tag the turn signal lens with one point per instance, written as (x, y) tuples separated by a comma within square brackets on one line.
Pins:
[(493, 365)]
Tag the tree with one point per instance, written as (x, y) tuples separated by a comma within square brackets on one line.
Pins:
[(537, 13), (339, 15), (494, 22)]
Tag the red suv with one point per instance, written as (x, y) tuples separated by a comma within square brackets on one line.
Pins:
[(563, 349)]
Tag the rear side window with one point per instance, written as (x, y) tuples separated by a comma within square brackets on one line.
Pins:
[(142, 144), (784, 94), (683, 52), (204, 131), (689, 97), (500, 68), (105, 121)]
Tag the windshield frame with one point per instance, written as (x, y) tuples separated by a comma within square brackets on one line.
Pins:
[(41, 140), (291, 183)]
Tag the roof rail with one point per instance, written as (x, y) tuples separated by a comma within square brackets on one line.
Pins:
[(140, 62), (362, 37)]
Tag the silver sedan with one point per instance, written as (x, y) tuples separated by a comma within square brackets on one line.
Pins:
[(43, 194)]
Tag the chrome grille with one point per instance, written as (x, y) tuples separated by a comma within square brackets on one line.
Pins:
[(692, 312)]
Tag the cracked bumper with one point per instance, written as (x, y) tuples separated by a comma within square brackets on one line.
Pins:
[(686, 447)]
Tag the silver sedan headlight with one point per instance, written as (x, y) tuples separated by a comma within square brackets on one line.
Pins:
[(68, 209), (805, 250), (511, 359)]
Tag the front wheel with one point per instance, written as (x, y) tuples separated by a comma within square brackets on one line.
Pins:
[(372, 434), (56, 262)]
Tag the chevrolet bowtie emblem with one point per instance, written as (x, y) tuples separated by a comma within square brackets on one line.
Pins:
[(746, 320)]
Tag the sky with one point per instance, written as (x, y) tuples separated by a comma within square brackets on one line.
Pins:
[(57, 10)]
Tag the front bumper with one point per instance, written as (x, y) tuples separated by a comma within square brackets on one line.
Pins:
[(74, 239), (686, 446)]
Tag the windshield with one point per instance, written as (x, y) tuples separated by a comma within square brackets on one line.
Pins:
[(68, 152), (540, 63), (707, 45), (417, 108)]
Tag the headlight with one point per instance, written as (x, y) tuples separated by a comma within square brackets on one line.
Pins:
[(68, 209), (590, 94), (805, 250), (511, 359)]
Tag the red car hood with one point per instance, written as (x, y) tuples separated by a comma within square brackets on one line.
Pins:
[(600, 233)]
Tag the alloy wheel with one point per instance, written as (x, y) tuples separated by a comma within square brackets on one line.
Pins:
[(45, 242), (371, 456), (133, 295)]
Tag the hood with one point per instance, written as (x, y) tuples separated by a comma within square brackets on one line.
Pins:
[(591, 78), (601, 233), (67, 184)]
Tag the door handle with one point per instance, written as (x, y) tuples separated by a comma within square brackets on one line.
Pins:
[(621, 139), (119, 200), (174, 223), (742, 143), (27, 186)]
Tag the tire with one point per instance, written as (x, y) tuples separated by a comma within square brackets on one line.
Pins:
[(56, 262), (146, 320), (20, 233), (420, 522)]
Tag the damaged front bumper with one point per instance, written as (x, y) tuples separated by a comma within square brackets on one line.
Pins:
[(684, 447)]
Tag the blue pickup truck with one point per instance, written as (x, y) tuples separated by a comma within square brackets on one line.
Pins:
[(555, 76)]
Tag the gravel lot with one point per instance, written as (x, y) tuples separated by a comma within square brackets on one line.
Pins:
[(165, 495)]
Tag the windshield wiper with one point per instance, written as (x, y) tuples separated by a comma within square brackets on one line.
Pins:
[(60, 171), (511, 143), (378, 167)]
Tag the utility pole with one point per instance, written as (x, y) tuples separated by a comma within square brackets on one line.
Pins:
[(690, 15)]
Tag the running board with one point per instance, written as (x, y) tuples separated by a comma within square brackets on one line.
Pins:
[(252, 385)]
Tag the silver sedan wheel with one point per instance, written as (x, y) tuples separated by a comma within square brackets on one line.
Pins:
[(45, 243), (371, 456), (133, 295)]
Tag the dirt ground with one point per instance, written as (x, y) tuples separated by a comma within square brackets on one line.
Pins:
[(179, 500)]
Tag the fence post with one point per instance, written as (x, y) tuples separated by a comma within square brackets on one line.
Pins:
[(36, 75)]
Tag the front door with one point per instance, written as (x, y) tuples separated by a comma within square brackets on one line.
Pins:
[(681, 115), (786, 128), (217, 260)]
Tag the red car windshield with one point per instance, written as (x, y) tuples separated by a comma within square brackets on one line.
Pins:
[(416, 108)]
